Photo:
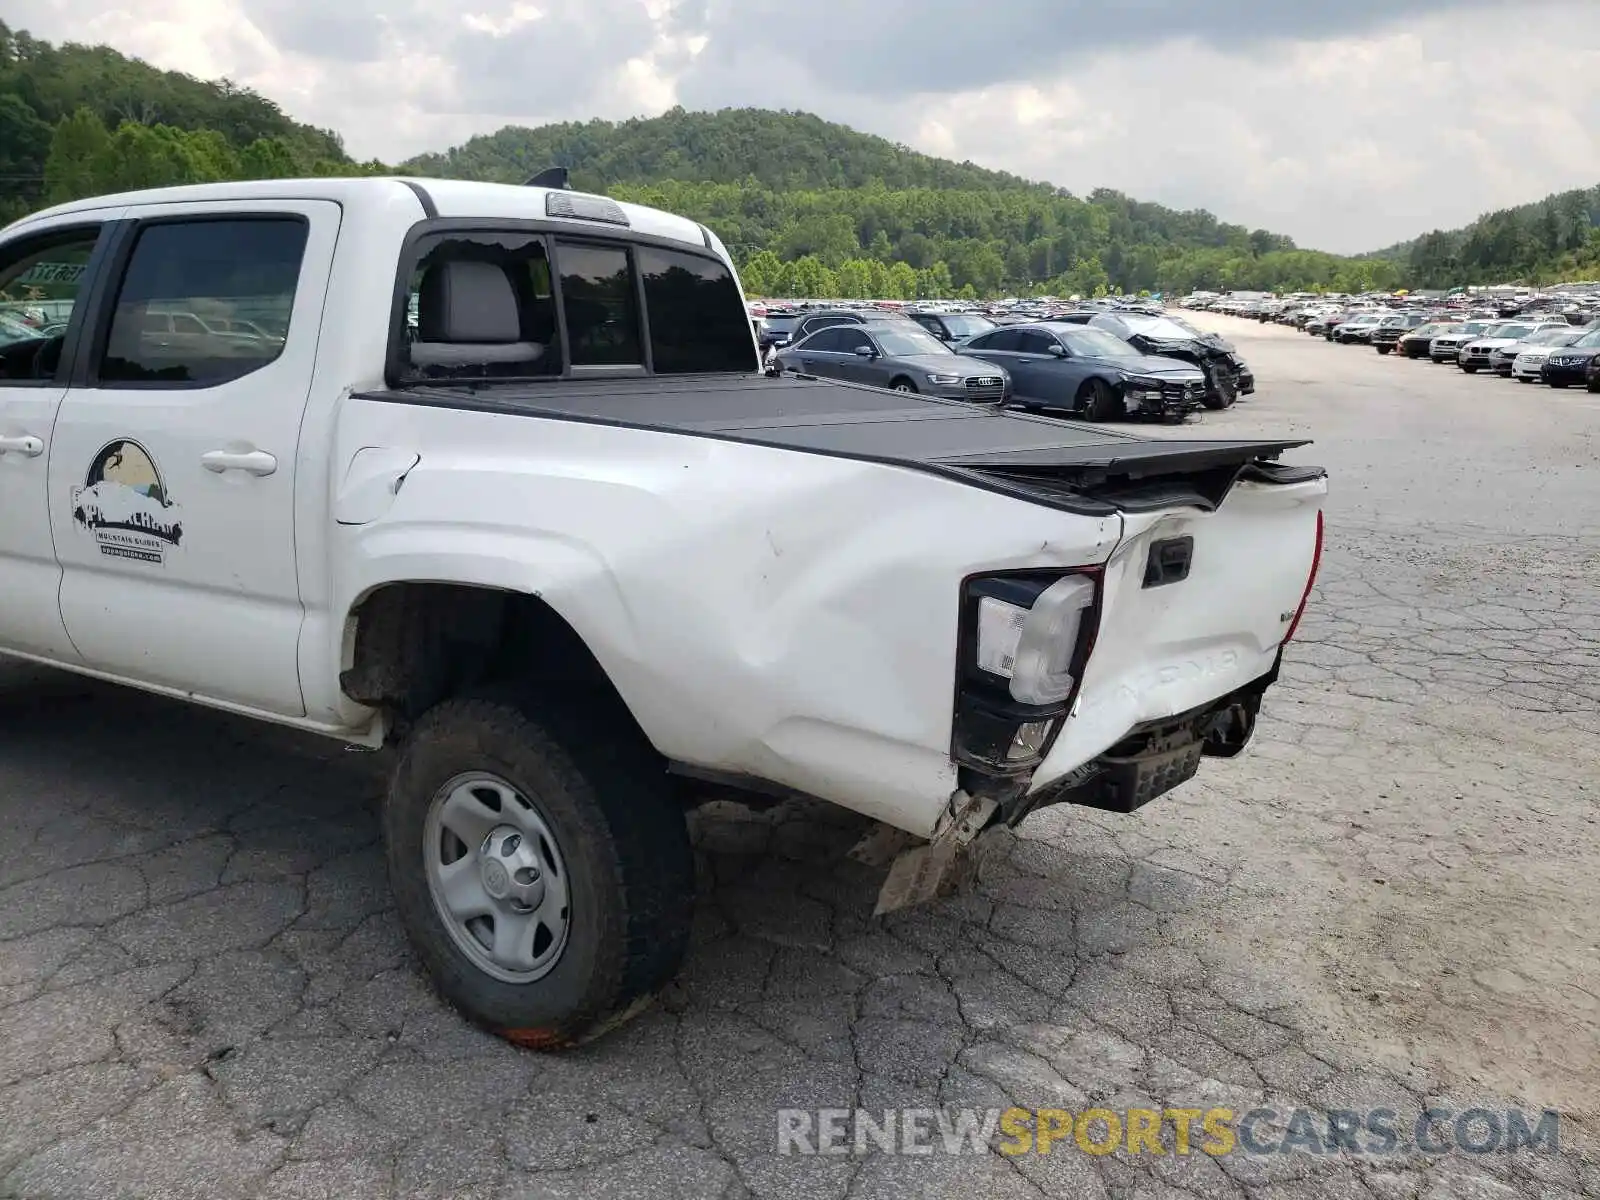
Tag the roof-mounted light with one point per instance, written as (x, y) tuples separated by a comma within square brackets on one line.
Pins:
[(578, 207)]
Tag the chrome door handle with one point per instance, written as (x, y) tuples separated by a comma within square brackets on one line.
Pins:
[(25, 444), (256, 462)]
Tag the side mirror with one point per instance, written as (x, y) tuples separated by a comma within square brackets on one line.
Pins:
[(866, 352), (1058, 351)]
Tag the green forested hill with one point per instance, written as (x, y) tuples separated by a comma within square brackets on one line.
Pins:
[(1549, 240), (807, 207), (790, 192), (783, 151)]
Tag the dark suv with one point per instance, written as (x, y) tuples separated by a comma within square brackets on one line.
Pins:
[(785, 329), (953, 327), (1391, 329), (1570, 364)]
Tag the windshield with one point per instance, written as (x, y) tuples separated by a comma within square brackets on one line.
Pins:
[(1515, 332), (1555, 337), (903, 343), (965, 325), (1437, 328), (782, 324), (1592, 338), (1096, 343), (1394, 322), (1165, 329), (1474, 327)]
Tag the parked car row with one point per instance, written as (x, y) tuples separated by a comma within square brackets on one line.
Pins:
[(1577, 304), (1530, 349), (1095, 362)]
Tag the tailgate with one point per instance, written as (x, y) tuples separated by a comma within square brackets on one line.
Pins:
[(1164, 648)]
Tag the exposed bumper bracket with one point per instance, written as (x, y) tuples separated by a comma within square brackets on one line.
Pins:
[(925, 871)]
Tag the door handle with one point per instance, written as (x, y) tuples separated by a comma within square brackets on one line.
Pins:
[(255, 462), (25, 444)]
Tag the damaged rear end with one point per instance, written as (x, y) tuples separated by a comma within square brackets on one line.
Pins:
[(1107, 686)]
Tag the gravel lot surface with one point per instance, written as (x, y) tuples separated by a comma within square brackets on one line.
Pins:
[(1391, 900)]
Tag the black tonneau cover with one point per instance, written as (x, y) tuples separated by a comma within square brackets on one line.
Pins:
[(1067, 464)]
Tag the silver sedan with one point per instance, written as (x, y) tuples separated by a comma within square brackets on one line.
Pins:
[(898, 355)]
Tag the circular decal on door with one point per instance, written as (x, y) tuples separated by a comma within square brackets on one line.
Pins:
[(124, 504)]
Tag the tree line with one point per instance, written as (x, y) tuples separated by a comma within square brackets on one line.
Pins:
[(1554, 239), (76, 120)]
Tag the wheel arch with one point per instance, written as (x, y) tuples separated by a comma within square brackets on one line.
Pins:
[(409, 642)]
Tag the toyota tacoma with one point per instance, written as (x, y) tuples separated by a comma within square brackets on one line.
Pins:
[(561, 543)]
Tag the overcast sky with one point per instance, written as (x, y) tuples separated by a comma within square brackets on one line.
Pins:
[(1347, 124)]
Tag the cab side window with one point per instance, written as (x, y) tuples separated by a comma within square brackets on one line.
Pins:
[(481, 305), (185, 282), (600, 304), (698, 323), (40, 282)]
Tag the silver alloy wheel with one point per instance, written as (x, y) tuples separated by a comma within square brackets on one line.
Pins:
[(497, 877), (904, 387)]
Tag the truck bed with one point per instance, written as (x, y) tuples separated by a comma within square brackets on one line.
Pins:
[(1078, 467)]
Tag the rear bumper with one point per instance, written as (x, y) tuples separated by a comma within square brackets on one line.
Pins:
[(1157, 756)]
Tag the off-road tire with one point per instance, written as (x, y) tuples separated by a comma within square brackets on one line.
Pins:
[(630, 867)]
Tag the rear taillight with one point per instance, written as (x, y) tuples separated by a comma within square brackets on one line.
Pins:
[(1311, 579)]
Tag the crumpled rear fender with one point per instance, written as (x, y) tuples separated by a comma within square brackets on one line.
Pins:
[(786, 616)]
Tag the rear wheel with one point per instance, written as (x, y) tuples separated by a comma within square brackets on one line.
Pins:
[(1558, 383), (1096, 400), (540, 867)]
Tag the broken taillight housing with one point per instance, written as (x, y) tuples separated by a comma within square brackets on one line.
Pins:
[(1311, 579)]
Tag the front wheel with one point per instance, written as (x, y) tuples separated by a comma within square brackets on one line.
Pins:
[(540, 867), (1470, 370), (1224, 390), (1096, 400), (1384, 349), (903, 385)]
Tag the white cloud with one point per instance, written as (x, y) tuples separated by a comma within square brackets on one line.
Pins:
[(1345, 133)]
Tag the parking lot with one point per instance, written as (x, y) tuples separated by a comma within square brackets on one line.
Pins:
[(1388, 902)]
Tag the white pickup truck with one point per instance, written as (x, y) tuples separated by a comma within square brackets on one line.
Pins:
[(490, 473)]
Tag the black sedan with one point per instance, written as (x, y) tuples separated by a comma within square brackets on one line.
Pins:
[(1058, 367), (1570, 364), (1227, 377)]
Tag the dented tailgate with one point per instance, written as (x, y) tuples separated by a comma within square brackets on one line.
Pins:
[(1203, 619)]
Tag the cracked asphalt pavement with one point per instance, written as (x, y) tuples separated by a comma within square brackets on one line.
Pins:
[(1389, 900)]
